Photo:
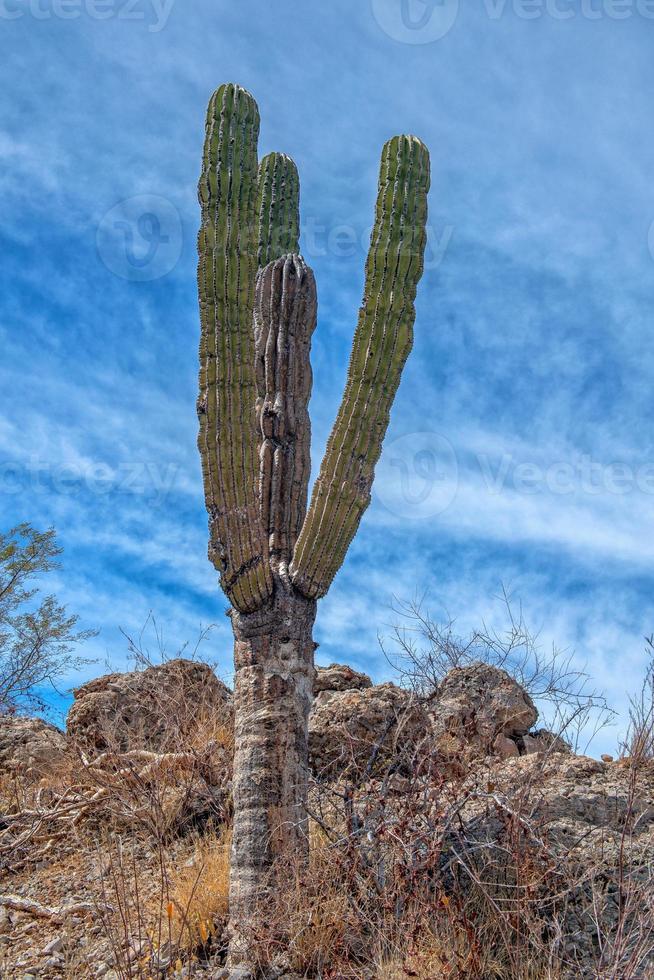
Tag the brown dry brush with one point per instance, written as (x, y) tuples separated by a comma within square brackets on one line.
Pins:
[(394, 880), (401, 882), (182, 924), (131, 812), (426, 870), (418, 867), (413, 889)]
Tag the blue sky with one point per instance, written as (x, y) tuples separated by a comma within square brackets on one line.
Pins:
[(520, 451)]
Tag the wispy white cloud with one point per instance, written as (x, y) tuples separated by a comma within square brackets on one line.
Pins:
[(533, 340)]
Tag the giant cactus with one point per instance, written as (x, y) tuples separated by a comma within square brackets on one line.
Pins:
[(258, 313)]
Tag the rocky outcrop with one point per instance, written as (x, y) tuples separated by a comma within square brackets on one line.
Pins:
[(486, 700), (356, 730), (339, 677), (480, 710), (29, 745), (570, 797), (149, 709), (590, 829)]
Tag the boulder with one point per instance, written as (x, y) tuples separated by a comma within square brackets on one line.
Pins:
[(340, 677), (477, 711), (353, 731), (150, 709), (542, 741), (476, 705), (505, 748), (30, 745), (569, 798)]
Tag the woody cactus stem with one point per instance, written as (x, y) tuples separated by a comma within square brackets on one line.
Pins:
[(284, 320), (258, 313)]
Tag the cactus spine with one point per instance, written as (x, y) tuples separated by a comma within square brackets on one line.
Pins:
[(258, 313)]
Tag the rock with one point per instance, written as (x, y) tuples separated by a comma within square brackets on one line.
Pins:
[(30, 745), (340, 677), (542, 741), (505, 747), (473, 706), (149, 709), (353, 729), (572, 795), (584, 818), (54, 946), (530, 745)]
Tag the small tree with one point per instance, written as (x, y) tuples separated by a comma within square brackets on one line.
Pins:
[(37, 636)]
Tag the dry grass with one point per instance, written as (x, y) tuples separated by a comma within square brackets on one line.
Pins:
[(400, 881), (199, 892)]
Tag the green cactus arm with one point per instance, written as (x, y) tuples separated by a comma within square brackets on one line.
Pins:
[(278, 208), (382, 343), (227, 267), (284, 321)]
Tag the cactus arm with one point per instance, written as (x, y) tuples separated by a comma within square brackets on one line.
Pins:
[(278, 208), (382, 343), (284, 321), (227, 267)]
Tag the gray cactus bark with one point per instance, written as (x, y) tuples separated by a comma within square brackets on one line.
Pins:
[(273, 691)]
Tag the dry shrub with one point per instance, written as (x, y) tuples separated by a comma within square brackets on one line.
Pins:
[(306, 920), (443, 873), (199, 892), (423, 651), (639, 744), (359, 904), (158, 923)]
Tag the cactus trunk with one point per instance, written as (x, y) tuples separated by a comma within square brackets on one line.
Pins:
[(273, 691)]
